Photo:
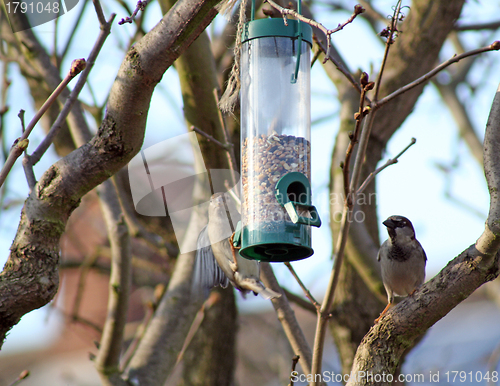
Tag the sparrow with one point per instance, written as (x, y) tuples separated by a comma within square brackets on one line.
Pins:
[(218, 262), (402, 260)]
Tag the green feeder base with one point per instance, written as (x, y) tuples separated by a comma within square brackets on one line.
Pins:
[(288, 243)]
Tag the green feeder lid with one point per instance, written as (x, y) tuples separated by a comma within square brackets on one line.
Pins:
[(263, 28)]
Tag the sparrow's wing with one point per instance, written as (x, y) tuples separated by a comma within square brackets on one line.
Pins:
[(207, 273), (423, 251)]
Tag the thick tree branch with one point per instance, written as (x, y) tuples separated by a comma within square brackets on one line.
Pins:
[(30, 277), (489, 242)]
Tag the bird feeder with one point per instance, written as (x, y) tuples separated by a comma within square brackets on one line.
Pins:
[(277, 211)]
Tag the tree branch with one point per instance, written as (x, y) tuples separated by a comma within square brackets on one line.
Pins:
[(389, 162), (22, 142), (108, 358), (495, 46), (358, 9), (30, 277), (307, 293), (287, 318), (44, 145), (478, 264)]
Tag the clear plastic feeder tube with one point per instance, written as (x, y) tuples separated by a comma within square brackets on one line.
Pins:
[(275, 130)]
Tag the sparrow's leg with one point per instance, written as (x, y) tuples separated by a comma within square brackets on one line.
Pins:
[(389, 305), (234, 265), (390, 299)]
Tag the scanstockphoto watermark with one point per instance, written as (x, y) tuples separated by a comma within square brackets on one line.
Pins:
[(163, 179), (27, 14), (360, 200), (361, 376), (451, 377)]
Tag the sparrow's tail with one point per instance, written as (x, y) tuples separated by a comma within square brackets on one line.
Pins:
[(268, 293), (258, 288)]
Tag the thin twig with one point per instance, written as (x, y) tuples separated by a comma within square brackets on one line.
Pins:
[(354, 138), (24, 374), (325, 311), (71, 34), (347, 214), (15, 152), (495, 46), (389, 41), (88, 262), (136, 229), (301, 302), (44, 145), (22, 143), (232, 192), (494, 25), (141, 6), (231, 158), (77, 66), (358, 9), (288, 320), (389, 162), (210, 138), (100, 14), (214, 298), (88, 323), (150, 309), (301, 284), (295, 360), (340, 66)]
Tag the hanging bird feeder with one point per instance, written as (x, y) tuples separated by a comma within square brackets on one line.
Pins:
[(277, 211)]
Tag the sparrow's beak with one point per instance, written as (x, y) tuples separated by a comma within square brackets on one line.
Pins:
[(389, 223)]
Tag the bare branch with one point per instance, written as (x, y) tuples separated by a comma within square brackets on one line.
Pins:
[(390, 40), (301, 302), (108, 360), (71, 34), (389, 162), (31, 271), (44, 145), (339, 63), (225, 146), (494, 25), (495, 46), (478, 264), (358, 9), (22, 143), (287, 318), (24, 374), (319, 339), (295, 360), (301, 284), (150, 309), (231, 158), (489, 242), (15, 152), (362, 112), (141, 6), (100, 14)]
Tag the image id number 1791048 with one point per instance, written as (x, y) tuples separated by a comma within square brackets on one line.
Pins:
[(471, 376), (38, 7)]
